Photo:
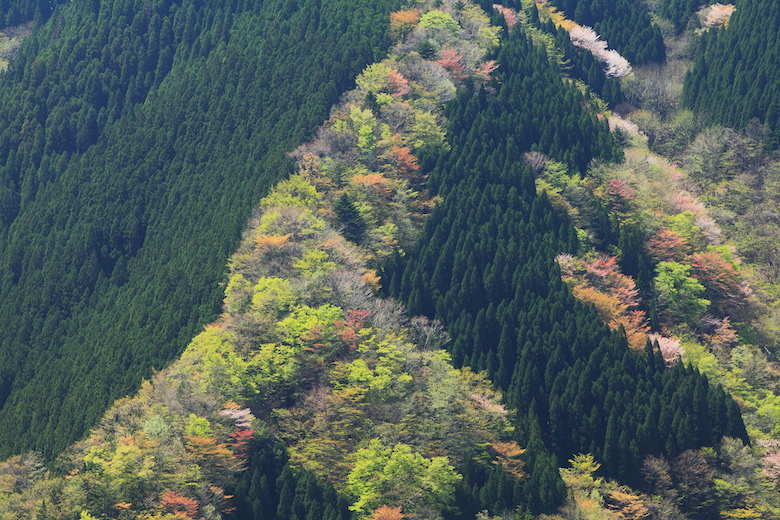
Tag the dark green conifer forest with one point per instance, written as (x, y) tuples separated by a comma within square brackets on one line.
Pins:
[(623, 23), (136, 136), (679, 12), (16, 12), (735, 78)]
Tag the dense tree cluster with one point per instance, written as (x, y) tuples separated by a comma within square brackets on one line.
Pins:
[(270, 489), (124, 188), (679, 12), (735, 76), (554, 35), (623, 23), (375, 421), (485, 268), (14, 12), (362, 397), (583, 66)]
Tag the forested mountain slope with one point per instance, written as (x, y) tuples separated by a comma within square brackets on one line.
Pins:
[(338, 403), (375, 421), (485, 267), (14, 12), (735, 77), (136, 137), (623, 23)]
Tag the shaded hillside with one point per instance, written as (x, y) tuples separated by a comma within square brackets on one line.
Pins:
[(736, 74), (374, 418), (623, 23), (679, 12), (124, 187), (14, 12), (485, 267)]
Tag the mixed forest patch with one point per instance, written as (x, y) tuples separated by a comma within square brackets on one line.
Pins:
[(472, 174), (362, 397)]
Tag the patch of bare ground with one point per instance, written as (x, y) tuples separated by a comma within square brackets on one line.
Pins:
[(10, 40), (716, 15)]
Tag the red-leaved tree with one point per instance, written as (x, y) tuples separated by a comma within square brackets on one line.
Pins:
[(721, 280), (668, 246), (388, 513), (452, 62), (398, 83), (620, 194), (178, 505)]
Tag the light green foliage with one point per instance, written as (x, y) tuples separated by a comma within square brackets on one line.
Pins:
[(363, 121), (273, 295), (313, 262), (439, 20), (473, 19), (378, 370), (746, 369), (445, 387), (740, 478), (295, 191), (124, 467), (358, 374), (361, 117), (305, 320), (373, 78), (86, 516), (767, 415), (384, 239), (750, 364), (385, 134), (339, 126), (156, 427), (282, 221), (366, 139), (583, 466), (704, 360), (488, 37), (198, 427), (426, 132), (237, 293), (457, 398), (580, 475), (215, 366), (684, 225), (383, 99), (726, 252), (274, 363), (678, 293), (399, 476), (557, 176)]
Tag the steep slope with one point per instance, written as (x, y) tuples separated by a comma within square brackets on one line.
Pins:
[(485, 267), (624, 24), (735, 76), (372, 413), (124, 187), (15, 12)]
